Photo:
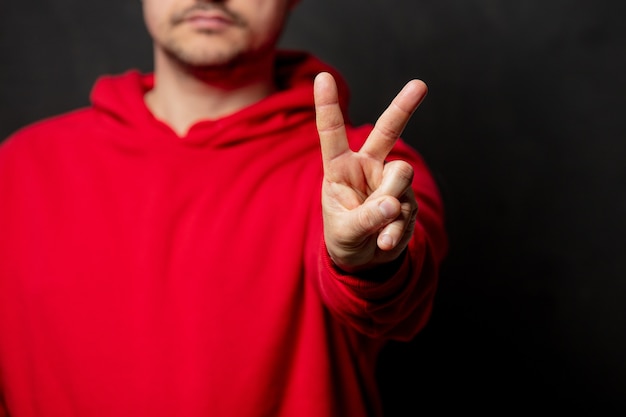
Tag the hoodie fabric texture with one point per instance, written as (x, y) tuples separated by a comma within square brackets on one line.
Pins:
[(147, 274)]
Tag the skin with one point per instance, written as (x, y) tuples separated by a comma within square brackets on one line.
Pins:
[(212, 58), (369, 207), (215, 65)]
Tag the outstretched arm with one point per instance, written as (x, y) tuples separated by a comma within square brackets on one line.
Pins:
[(369, 207)]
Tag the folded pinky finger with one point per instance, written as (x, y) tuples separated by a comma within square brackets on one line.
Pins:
[(398, 232)]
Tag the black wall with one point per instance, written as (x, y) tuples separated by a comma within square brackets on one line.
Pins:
[(524, 128)]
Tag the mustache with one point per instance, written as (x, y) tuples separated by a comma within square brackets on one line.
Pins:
[(179, 17)]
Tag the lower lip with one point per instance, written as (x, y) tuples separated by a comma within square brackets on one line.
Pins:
[(203, 23)]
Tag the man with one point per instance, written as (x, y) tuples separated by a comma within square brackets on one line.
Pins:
[(166, 252)]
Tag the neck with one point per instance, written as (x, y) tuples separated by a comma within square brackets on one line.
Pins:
[(183, 95)]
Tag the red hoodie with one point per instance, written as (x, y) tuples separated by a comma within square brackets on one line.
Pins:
[(146, 274)]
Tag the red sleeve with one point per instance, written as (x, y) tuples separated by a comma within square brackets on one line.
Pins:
[(3, 410)]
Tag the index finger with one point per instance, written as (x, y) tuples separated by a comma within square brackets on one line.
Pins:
[(329, 119), (392, 122)]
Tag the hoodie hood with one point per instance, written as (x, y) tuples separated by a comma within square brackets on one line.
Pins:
[(121, 99)]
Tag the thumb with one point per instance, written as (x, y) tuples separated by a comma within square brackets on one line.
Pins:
[(372, 216)]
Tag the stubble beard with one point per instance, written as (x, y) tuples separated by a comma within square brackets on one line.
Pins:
[(217, 57), (203, 57), (191, 53)]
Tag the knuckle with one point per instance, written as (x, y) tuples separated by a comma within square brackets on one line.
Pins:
[(330, 123), (367, 220), (409, 209), (401, 170), (387, 131)]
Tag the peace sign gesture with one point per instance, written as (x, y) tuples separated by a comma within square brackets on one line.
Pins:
[(369, 208)]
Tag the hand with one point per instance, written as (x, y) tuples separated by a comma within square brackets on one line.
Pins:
[(368, 205)]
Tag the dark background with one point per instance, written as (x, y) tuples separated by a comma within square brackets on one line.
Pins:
[(525, 131)]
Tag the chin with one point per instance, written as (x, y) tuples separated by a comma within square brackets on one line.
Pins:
[(204, 51), (203, 57)]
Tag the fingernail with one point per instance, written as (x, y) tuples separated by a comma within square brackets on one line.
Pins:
[(386, 240), (387, 209)]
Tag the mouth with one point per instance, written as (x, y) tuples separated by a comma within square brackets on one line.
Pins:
[(208, 18), (208, 21)]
